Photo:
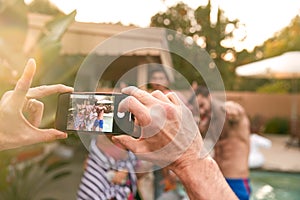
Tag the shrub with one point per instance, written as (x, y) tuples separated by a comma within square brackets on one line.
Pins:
[(277, 125)]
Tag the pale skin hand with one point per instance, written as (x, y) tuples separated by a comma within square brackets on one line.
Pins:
[(15, 129), (201, 177), (160, 117)]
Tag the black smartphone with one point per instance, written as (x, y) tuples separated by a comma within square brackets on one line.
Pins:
[(93, 113)]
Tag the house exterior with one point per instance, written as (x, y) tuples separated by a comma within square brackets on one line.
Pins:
[(128, 47)]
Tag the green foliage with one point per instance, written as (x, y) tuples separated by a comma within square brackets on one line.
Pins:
[(52, 68), (206, 33), (277, 125), (46, 51), (175, 18), (44, 7), (249, 84), (48, 47), (279, 86), (27, 180), (213, 34), (13, 29), (285, 40)]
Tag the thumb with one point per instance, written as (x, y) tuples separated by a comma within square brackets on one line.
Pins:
[(126, 141), (48, 135)]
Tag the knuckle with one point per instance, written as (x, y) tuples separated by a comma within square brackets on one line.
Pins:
[(170, 110), (42, 88), (60, 87), (156, 92), (141, 94), (130, 100), (7, 94), (39, 104)]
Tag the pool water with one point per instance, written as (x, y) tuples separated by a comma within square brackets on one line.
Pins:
[(275, 185)]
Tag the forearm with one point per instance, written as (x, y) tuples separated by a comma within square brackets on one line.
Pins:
[(203, 179)]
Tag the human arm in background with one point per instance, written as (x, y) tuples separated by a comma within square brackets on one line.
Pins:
[(232, 149)]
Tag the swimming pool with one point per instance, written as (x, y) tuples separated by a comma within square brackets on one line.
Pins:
[(268, 185)]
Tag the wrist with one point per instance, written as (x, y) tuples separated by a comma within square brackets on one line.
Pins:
[(203, 179), (186, 168)]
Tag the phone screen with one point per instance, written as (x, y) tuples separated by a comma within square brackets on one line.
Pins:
[(93, 112)]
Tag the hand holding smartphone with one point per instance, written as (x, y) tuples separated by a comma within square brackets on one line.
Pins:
[(93, 113)]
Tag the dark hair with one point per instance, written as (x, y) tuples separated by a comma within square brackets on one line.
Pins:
[(202, 90), (159, 70)]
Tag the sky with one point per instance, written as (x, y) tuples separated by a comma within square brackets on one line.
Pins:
[(262, 17)]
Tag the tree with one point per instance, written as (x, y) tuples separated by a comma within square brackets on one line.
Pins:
[(283, 41), (176, 18), (215, 34), (212, 35)]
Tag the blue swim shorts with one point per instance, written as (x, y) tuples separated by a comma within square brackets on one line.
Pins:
[(241, 187), (101, 124)]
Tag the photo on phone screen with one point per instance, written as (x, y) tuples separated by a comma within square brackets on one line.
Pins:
[(93, 112)]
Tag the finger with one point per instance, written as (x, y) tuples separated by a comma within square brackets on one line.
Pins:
[(233, 114), (126, 141), (234, 107), (139, 111), (159, 95), (173, 98), (240, 109), (34, 135), (143, 96), (230, 108), (45, 90), (24, 83), (47, 135), (35, 111)]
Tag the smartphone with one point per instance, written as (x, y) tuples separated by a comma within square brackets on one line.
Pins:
[(93, 113)]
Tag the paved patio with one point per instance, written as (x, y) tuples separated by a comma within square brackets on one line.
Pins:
[(281, 157)]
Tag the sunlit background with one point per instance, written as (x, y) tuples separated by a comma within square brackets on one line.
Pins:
[(248, 31), (263, 18)]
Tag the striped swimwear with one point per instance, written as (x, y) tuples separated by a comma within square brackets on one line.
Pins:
[(95, 184)]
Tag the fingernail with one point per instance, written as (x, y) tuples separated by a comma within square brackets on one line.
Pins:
[(31, 60), (129, 89), (62, 135), (69, 88)]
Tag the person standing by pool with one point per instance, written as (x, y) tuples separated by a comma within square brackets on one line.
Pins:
[(232, 149)]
